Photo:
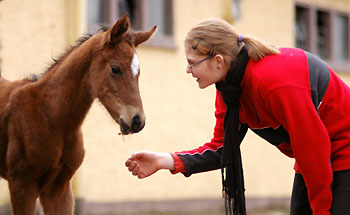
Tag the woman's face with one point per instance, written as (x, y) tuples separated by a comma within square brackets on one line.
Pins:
[(205, 69)]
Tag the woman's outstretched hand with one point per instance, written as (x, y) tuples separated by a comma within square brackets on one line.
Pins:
[(145, 163)]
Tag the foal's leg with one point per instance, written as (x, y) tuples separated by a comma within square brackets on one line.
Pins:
[(58, 200), (23, 196)]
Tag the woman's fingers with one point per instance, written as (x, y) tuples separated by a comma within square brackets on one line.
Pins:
[(132, 166), (128, 162), (136, 156), (141, 176), (135, 170)]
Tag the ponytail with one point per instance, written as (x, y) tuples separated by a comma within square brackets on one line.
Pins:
[(257, 49)]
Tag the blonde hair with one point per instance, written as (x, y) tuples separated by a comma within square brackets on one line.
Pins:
[(216, 36)]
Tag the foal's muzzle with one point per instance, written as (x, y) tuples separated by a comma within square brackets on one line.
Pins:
[(135, 126)]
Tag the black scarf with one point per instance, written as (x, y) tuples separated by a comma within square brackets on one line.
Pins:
[(231, 162)]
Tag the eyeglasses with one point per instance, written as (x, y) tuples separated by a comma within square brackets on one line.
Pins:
[(193, 64)]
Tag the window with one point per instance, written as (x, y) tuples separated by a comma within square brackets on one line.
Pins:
[(143, 14), (97, 14), (341, 38), (302, 34), (106, 12), (325, 33)]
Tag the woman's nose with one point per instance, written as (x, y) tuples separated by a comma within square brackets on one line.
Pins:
[(188, 69)]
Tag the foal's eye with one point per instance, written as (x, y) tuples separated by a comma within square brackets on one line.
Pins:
[(116, 70)]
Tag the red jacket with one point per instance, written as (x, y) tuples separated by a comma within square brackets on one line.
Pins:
[(288, 92)]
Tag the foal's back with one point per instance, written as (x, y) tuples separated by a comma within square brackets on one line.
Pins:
[(7, 88)]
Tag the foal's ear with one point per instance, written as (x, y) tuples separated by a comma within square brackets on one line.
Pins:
[(142, 36), (119, 29)]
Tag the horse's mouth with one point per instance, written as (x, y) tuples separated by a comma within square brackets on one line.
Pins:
[(136, 126)]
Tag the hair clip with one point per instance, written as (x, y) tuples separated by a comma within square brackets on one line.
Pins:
[(211, 50), (240, 38), (194, 46)]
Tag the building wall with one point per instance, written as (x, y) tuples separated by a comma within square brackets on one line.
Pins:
[(31, 35), (179, 115)]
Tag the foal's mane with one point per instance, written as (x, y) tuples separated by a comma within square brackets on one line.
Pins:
[(56, 62), (78, 42), (33, 77)]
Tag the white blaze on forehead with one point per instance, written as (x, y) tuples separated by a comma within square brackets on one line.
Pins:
[(135, 67)]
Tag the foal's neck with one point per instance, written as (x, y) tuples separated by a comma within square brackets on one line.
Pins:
[(66, 86)]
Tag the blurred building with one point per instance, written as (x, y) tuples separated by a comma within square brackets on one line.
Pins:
[(179, 115)]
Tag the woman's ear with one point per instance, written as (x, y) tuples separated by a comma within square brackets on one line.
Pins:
[(219, 61)]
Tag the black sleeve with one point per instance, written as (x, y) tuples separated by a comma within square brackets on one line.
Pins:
[(208, 160)]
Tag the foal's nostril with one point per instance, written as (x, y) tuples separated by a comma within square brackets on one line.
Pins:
[(136, 123)]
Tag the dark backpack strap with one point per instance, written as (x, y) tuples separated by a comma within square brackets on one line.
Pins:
[(319, 78)]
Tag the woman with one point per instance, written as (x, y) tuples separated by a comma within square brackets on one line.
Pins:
[(287, 96)]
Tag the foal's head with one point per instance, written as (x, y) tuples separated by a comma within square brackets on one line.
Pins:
[(115, 72)]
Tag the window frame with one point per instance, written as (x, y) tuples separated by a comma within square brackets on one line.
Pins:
[(164, 41), (142, 21), (312, 10)]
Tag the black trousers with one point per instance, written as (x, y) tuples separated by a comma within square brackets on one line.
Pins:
[(341, 195)]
